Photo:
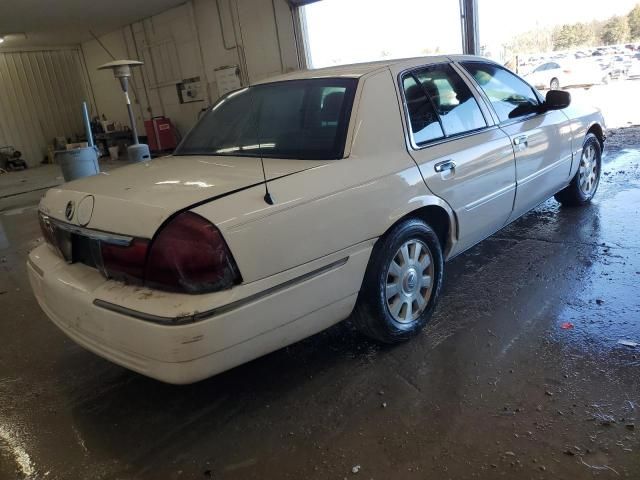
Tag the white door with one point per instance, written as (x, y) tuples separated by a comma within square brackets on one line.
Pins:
[(539, 76), (464, 158), (554, 71), (541, 140)]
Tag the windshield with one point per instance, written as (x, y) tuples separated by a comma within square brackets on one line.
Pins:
[(298, 119)]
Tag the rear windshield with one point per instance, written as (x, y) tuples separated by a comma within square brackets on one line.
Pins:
[(299, 119)]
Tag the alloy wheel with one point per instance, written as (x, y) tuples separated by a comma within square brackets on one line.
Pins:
[(409, 281), (588, 174)]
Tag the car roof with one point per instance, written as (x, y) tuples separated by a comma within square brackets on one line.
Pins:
[(357, 70)]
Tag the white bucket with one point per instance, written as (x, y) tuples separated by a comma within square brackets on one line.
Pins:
[(113, 152)]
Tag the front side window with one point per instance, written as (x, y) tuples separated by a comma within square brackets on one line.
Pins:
[(510, 96), (298, 119)]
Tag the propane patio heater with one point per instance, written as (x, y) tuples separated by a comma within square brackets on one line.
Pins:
[(122, 71)]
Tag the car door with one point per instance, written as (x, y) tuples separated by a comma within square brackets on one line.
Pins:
[(541, 141), (539, 75), (463, 157), (554, 71)]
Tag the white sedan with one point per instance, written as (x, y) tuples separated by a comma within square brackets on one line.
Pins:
[(561, 74), (300, 201)]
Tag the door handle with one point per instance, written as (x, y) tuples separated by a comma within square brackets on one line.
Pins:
[(521, 141), (444, 166)]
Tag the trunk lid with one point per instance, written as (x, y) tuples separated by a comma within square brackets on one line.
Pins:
[(135, 200)]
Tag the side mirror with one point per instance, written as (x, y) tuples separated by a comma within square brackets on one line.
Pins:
[(557, 100)]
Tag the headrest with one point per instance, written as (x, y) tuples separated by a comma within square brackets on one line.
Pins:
[(331, 106)]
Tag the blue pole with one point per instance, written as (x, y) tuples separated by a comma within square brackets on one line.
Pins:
[(87, 124)]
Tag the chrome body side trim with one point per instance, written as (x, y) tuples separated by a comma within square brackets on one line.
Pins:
[(195, 317), (36, 268)]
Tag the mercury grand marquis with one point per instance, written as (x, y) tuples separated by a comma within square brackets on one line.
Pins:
[(303, 200)]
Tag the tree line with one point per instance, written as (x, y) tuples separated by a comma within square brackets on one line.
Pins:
[(612, 31)]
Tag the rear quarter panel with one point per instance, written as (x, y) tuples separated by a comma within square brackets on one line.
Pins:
[(328, 208)]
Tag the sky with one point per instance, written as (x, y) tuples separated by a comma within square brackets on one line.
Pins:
[(348, 31)]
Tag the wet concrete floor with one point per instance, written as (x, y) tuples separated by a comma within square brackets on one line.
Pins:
[(495, 387)]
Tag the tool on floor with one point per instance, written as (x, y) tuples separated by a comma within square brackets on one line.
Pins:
[(11, 159)]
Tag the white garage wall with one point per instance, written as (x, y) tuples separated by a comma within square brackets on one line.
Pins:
[(187, 41), (40, 98)]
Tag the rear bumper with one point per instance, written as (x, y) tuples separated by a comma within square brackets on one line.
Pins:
[(187, 353)]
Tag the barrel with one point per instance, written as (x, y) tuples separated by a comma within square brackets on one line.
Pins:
[(78, 162)]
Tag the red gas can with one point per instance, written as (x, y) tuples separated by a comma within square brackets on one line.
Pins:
[(161, 134)]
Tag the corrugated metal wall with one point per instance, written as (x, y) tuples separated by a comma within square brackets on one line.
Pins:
[(40, 98)]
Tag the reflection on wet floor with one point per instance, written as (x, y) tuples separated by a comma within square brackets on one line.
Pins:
[(4, 242), (606, 310), (521, 373)]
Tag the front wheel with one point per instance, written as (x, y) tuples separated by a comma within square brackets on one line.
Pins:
[(402, 283), (555, 84), (585, 183)]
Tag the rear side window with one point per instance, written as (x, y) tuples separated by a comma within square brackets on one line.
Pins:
[(510, 96), (440, 104), (425, 124), (455, 104)]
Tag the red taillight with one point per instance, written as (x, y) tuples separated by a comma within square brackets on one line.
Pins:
[(125, 262), (189, 254)]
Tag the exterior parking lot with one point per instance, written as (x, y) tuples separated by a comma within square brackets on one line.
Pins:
[(613, 99)]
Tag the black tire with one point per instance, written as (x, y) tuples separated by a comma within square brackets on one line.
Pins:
[(573, 195), (554, 84), (372, 315)]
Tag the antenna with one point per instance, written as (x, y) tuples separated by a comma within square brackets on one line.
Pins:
[(268, 198), (267, 195)]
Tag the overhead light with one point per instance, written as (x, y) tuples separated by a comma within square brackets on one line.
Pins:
[(10, 36)]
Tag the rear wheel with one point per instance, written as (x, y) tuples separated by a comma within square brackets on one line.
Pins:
[(402, 283), (554, 84), (585, 183)]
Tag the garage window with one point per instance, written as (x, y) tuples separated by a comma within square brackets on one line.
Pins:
[(339, 32), (586, 47)]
